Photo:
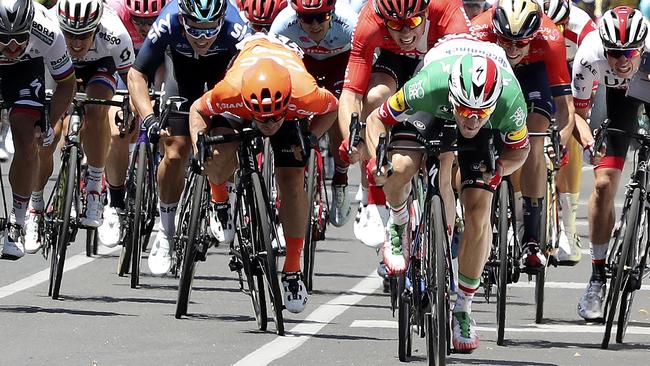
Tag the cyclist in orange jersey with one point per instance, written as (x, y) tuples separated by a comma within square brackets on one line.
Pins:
[(267, 85)]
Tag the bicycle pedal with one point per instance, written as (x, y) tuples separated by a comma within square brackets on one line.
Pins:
[(235, 265)]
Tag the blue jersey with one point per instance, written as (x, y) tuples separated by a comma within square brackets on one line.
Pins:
[(168, 32)]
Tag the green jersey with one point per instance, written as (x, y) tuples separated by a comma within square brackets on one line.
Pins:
[(428, 92)]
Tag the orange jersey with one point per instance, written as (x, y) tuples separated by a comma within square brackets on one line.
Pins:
[(307, 99)]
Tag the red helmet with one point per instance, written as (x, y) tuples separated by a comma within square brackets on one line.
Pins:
[(399, 9), (313, 6), (145, 8), (266, 88), (261, 11), (623, 27)]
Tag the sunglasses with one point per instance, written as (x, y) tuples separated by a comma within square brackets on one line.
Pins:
[(20, 39), (207, 33), (629, 54), (143, 21), (509, 42), (270, 120), (80, 37), (467, 112), (309, 18), (411, 23), (259, 27)]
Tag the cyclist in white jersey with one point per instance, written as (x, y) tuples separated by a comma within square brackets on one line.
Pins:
[(323, 29), (100, 48), (30, 40), (609, 57)]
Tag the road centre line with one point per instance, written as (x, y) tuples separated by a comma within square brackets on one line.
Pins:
[(531, 328), (37, 278), (561, 285), (317, 320)]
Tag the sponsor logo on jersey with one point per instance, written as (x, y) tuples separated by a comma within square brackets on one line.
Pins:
[(240, 31), (519, 117), (62, 61), (396, 103), (294, 108), (231, 105), (416, 90), (44, 34), (161, 26), (516, 136), (419, 125), (586, 65), (109, 37)]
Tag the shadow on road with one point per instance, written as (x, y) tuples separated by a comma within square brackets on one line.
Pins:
[(38, 309), (479, 361), (345, 275), (110, 299)]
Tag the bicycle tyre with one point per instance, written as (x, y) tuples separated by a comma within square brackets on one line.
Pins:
[(264, 221), (124, 261), (437, 319), (63, 235), (617, 277), (189, 258), (546, 246), (624, 314), (504, 268), (140, 192), (404, 320), (254, 276), (91, 242), (309, 250)]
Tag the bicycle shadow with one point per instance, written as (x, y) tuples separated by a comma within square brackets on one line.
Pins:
[(111, 300), (40, 310), (483, 361), (542, 344)]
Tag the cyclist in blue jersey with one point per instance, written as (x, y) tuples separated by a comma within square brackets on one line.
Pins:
[(200, 36)]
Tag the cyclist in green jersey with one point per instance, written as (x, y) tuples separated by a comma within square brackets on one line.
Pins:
[(484, 100)]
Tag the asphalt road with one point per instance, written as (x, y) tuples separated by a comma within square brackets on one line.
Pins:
[(100, 320)]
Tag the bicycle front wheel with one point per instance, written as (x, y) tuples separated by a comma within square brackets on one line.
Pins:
[(438, 319), (138, 215), (404, 319), (189, 257), (69, 184), (619, 277), (309, 250), (504, 259)]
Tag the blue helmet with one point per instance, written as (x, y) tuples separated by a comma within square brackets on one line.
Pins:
[(202, 11)]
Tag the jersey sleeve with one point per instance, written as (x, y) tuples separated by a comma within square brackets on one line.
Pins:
[(365, 39), (585, 74), (58, 61), (413, 96), (222, 98), (512, 127), (123, 54), (448, 17), (556, 69), (320, 101), (152, 52), (281, 22)]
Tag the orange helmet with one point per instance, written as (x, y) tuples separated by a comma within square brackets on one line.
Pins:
[(266, 88)]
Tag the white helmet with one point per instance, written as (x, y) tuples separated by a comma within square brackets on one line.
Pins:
[(623, 28), (475, 82), (557, 10), (79, 16)]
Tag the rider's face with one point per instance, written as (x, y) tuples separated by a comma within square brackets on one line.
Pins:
[(13, 50), (469, 127), (201, 44), (78, 45), (624, 65), (408, 38)]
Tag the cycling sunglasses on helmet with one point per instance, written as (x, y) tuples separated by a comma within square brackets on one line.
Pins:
[(411, 23), (309, 18), (20, 39), (629, 54)]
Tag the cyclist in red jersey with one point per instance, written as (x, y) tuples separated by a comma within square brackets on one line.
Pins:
[(277, 92), (403, 30), (260, 13), (535, 48)]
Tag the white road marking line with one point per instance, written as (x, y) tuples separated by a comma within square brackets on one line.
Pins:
[(44, 275), (316, 321), (560, 285), (532, 328)]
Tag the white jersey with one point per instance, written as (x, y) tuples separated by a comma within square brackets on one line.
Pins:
[(580, 24), (46, 41), (111, 40), (337, 40), (590, 66), (461, 44)]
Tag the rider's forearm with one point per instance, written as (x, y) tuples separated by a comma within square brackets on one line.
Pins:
[(565, 117), (198, 123), (62, 98), (513, 159), (374, 128), (349, 102), (322, 123), (139, 92), (582, 131)]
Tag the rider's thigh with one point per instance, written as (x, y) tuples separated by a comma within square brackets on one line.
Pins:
[(606, 182)]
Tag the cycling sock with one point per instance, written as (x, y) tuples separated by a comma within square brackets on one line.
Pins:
[(37, 202), (116, 195), (364, 196), (532, 216), (400, 214), (466, 288), (340, 177), (294, 250), (569, 208), (219, 192), (94, 179), (598, 254), (19, 209), (167, 216)]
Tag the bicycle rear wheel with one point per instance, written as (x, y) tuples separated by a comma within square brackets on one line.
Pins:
[(265, 236), (619, 277), (437, 321), (63, 235), (503, 271), (91, 242), (138, 215), (548, 244), (404, 334), (191, 244), (309, 250)]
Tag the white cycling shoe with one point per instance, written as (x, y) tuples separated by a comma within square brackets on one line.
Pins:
[(110, 230), (160, 259), (370, 229), (32, 238), (295, 293)]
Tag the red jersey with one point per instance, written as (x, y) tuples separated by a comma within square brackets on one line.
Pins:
[(443, 17), (547, 46), (307, 98)]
